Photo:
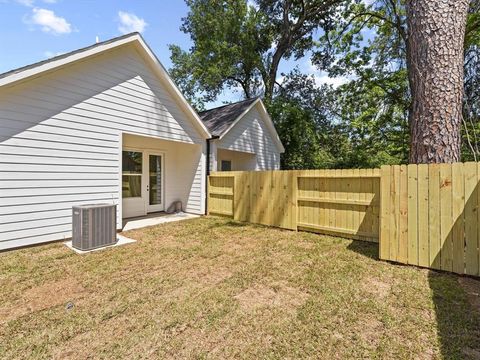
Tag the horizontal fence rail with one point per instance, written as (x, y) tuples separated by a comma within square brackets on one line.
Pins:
[(336, 202)]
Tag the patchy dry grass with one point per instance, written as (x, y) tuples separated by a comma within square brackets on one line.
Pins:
[(212, 288)]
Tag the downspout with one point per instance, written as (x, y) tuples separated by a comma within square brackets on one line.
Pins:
[(208, 171)]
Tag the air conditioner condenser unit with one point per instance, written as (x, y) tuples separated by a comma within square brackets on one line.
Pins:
[(94, 226)]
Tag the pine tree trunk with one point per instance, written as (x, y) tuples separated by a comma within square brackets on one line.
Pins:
[(436, 32)]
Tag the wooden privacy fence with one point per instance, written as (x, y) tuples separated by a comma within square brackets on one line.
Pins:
[(430, 217), (337, 202), (424, 215)]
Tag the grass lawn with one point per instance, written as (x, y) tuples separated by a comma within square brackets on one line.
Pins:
[(213, 288)]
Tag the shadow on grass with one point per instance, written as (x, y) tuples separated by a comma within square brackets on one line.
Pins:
[(365, 248), (458, 321), (456, 302), (222, 221), (237, 224)]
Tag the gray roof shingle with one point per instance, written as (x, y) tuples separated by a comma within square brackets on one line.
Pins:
[(219, 119)]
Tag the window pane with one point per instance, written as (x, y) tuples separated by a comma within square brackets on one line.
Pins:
[(155, 179), (131, 186), (131, 162), (226, 165)]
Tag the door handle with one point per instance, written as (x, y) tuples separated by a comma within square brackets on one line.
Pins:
[(147, 188)]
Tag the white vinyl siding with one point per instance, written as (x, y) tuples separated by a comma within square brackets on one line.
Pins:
[(251, 135), (60, 140)]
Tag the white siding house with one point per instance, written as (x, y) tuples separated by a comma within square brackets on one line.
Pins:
[(106, 124), (67, 124), (246, 137)]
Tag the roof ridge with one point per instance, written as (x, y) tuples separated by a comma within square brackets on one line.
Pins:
[(235, 103), (67, 54)]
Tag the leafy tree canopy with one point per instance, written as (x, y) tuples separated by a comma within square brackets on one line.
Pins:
[(238, 46)]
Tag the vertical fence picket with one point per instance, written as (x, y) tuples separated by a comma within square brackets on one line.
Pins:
[(446, 219), (412, 214), (458, 230), (433, 241), (385, 213), (394, 213), (471, 219), (403, 217), (423, 214)]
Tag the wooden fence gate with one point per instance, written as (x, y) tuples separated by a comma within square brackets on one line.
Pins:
[(337, 202)]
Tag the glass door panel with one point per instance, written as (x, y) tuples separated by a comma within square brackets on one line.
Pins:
[(131, 174), (155, 180), (133, 196)]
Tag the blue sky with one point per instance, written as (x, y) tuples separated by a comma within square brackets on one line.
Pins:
[(33, 30)]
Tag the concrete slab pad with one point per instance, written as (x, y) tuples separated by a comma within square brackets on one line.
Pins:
[(149, 220), (122, 240)]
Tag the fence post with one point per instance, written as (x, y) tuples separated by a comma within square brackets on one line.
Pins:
[(208, 195), (295, 200)]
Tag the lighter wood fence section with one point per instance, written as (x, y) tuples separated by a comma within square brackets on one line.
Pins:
[(336, 202), (430, 217)]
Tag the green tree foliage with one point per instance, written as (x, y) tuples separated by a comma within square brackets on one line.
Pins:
[(236, 45), (228, 42), (300, 111), (380, 65), (368, 47), (363, 123), (471, 134)]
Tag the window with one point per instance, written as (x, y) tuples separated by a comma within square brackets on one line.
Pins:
[(131, 174), (226, 165)]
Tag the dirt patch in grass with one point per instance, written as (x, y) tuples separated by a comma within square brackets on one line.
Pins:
[(42, 297), (370, 330), (280, 295), (377, 287)]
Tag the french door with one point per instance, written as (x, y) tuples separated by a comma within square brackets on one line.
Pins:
[(142, 182), (155, 171)]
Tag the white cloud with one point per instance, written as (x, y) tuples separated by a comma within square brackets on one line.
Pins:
[(321, 77), (130, 22), (28, 3), (49, 22)]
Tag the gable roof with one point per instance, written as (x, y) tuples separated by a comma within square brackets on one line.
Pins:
[(218, 120), (221, 120), (37, 69)]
